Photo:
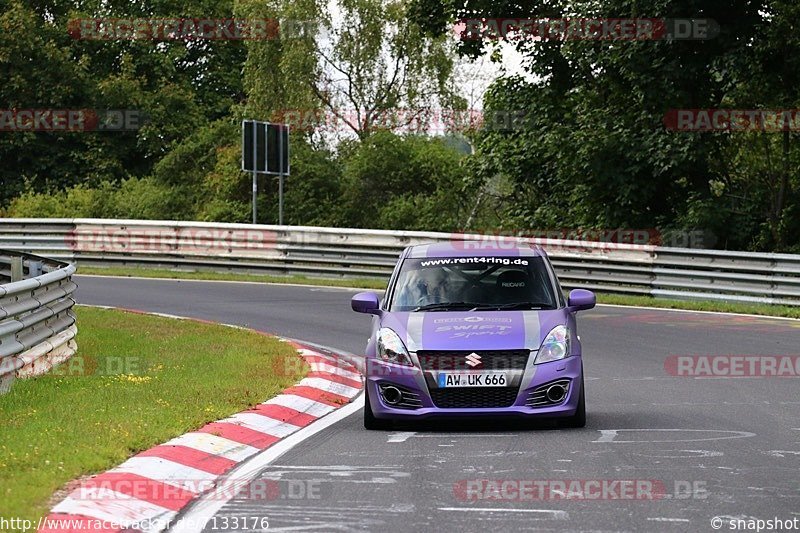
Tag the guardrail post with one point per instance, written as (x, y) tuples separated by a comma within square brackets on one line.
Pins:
[(16, 269), (6, 381), (35, 268)]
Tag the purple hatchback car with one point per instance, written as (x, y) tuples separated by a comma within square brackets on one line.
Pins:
[(466, 333)]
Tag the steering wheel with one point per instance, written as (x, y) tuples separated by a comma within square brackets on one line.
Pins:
[(430, 299)]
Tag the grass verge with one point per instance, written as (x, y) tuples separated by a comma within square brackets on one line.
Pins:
[(696, 305), (616, 299), (136, 382), (128, 272)]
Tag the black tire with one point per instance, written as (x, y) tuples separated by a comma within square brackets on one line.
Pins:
[(578, 420), (370, 422)]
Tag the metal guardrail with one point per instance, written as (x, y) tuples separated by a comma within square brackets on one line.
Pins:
[(682, 273), (37, 325)]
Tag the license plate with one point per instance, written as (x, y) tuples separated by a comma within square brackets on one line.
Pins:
[(464, 379)]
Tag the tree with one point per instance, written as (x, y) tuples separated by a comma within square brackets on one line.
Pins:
[(594, 151), (178, 85)]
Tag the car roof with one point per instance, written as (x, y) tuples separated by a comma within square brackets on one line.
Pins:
[(490, 247)]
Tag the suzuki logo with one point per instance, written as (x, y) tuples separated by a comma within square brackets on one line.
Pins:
[(473, 360)]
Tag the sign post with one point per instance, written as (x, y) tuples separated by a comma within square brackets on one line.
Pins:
[(265, 150)]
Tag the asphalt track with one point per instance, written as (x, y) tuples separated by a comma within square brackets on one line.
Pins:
[(717, 447)]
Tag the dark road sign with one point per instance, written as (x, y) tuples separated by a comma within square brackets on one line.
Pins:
[(265, 147), (265, 150)]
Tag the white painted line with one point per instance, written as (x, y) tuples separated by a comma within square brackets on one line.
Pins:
[(378, 291), (199, 512), (781, 453), (337, 370), (768, 317), (239, 282), (610, 435), (330, 386), (301, 404), (168, 472), (660, 519), (400, 436), (312, 353), (554, 513), (262, 423), (206, 442), (112, 506)]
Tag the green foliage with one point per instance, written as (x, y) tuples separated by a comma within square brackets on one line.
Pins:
[(178, 86), (594, 151), (132, 198), (591, 150), (409, 182), (388, 181)]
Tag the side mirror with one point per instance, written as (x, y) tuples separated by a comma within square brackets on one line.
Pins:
[(581, 300), (365, 302)]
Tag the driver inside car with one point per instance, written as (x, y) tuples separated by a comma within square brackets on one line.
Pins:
[(425, 287)]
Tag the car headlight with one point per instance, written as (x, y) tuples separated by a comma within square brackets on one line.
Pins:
[(555, 346), (391, 349)]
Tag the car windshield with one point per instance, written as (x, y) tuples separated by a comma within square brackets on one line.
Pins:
[(473, 283)]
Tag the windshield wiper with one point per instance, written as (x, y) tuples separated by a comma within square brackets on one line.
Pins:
[(446, 306), (515, 305)]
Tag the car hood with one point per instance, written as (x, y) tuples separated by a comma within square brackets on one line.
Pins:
[(487, 330)]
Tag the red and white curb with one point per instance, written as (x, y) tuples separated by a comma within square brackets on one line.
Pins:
[(146, 492)]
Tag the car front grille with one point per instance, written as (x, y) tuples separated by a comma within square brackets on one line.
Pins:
[(487, 359), (474, 397)]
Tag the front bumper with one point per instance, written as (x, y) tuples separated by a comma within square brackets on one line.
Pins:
[(411, 379)]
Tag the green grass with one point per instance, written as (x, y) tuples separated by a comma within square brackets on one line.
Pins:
[(616, 299), (366, 283), (694, 305), (136, 381)]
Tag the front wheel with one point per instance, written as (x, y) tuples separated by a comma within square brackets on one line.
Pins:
[(578, 420), (370, 422)]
